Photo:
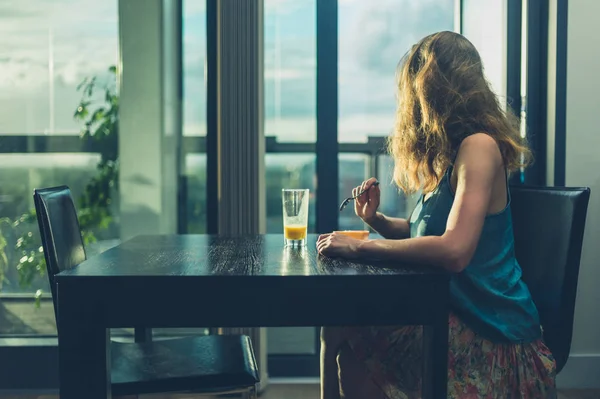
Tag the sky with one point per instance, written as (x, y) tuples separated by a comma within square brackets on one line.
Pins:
[(48, 46)]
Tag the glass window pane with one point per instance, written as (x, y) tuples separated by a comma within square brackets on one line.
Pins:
[(45, 54), (194, 111), (290, 70), (354, 169), (194, 124), (195, 175), (290, 116), (20, 174), (394, 202), (484, 24), (292, 341), (194, 68), (373, 36), (288, 171)]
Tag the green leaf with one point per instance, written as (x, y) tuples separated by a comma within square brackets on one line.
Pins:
[(89, 89), (98, 114), (108, 96), (82, 111), (83, 83)]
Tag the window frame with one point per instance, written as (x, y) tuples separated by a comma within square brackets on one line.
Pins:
[(536, 96)]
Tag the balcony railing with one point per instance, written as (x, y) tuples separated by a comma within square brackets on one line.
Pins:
[(26, 144), (48, 144)]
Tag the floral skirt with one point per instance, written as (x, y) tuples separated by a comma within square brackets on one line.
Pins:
[(477, 368)]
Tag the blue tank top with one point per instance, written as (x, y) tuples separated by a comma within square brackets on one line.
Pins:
[(489, 294)]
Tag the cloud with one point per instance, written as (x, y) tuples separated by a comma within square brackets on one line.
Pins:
[(77, 38), (278, 74), (21, 74), (22, 15), (373, 37), (67, 39), (194, 8), (353, 128), (11, 9), (288, 7), (292, 128)]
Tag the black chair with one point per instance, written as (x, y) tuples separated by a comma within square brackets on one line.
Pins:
[(201, 364), (548, 226)]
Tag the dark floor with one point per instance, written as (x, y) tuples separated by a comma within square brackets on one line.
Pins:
[(303, 391)]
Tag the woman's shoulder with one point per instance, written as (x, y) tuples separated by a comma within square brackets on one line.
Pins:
[(479, 150), (480, 166), (481, 142)]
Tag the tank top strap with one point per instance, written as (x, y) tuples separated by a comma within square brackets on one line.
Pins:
[(507, 176)]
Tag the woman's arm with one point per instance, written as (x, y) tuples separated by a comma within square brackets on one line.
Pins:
[(391, 228), (366, 205), (477, 165)]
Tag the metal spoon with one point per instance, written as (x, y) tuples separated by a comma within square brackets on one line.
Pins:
[(347, 200)]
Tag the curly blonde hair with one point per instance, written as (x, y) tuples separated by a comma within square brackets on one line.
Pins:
[(443, 97)]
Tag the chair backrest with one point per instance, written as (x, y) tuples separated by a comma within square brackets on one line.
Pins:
[(59, 230), (548, 226)]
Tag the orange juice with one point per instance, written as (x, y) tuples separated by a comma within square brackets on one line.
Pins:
[(294, 232), (358, 234)]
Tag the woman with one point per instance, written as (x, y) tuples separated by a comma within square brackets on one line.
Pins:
[(453, 142)]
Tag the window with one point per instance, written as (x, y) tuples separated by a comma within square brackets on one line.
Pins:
[(45, 52), (194, 68), (373, 37), (195, 206), (354, 171), (290, 118), (393, 202), (489, 37), (44, 55), (290, 102), (288, 171), (290, 70), (194, 114)]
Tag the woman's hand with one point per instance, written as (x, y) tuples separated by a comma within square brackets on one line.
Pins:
[(367, 204), (338, 245)]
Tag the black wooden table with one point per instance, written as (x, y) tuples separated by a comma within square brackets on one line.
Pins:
[(208, 281)]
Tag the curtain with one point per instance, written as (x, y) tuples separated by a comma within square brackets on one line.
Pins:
[(240, 133)]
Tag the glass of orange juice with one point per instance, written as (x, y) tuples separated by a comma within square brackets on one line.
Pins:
[(295, 216)]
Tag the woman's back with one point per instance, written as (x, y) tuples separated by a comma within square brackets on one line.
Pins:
[(489, 294)]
